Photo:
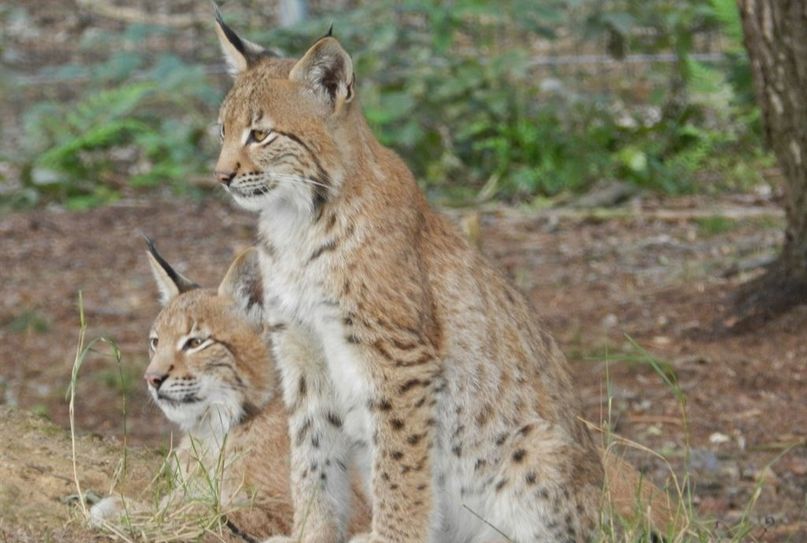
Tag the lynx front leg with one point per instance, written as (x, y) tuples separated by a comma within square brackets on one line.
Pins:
[(403, 417), (319, 447)]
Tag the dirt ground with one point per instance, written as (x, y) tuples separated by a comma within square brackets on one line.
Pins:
[(37, 495), (656, 274)]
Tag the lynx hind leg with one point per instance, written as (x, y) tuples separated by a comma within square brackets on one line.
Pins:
[(548, 488)]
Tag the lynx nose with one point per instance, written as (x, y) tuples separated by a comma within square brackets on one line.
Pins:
[(225, 177), (155, 379)]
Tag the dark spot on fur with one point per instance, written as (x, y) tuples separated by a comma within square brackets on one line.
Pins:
[(329, 245), (303, 431), (484, 414), (334, 419), (531, 478), (302, 387), (410, 384), (278, 327), (396, 455), (501, 439), (500, 485), (414, 439), (403, 345), (331, 222), (518, 456), (397, 424), (457, 450)]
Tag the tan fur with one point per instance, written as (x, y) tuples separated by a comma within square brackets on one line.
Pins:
[(637, 500), (401, 349), (240, 409), (256, 491)]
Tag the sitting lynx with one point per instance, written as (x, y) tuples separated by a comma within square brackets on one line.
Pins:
[(211, 373), (401, 350)]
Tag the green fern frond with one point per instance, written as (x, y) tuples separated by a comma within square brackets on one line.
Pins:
[(728, 15), (106, 105), (97, 137)]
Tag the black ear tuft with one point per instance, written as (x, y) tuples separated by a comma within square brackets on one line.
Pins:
[(239, 53), (169, 281), (232, 37), (328, 34), (178, 279)]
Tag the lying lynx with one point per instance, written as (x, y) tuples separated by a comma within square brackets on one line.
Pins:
[(211, 374), (401, 350)]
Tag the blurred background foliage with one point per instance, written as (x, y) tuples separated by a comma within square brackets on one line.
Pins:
[(518, 100)]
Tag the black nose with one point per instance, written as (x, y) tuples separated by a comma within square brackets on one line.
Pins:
[(225, 177), (155, 379)]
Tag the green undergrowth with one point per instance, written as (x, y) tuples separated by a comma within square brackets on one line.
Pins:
[(453, 88)]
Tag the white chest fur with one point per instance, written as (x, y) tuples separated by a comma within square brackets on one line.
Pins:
[(297, 293)]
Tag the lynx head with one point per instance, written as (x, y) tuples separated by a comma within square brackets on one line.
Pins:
[(209, 366), (283, 124)]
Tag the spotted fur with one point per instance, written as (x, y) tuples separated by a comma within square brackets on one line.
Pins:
[(211, 373), (401, 349)]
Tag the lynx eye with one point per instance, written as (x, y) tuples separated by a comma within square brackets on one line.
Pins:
[(258, 135), (153, 341), (192, 343)]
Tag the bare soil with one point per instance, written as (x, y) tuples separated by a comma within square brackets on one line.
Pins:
[(38, 491), (657, 274)]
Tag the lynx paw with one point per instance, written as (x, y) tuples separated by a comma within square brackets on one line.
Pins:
[(107, 510)]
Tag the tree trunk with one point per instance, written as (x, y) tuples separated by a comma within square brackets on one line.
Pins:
[(775, 35)]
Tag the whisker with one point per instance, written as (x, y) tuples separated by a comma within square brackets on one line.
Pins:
[(297, 179)]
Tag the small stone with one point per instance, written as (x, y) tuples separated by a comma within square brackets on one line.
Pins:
[(610, 321), (717, 438)]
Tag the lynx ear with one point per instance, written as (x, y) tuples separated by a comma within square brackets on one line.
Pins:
[(243, 285), (328, 70), (238, 52), (170, 282)]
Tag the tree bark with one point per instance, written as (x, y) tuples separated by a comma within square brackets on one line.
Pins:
[(775, 35)]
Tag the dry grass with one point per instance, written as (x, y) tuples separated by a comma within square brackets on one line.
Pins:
[(179, 508)]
